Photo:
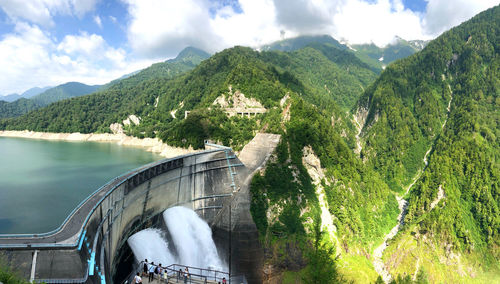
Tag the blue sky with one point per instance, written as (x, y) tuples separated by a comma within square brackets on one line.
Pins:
[(50, 42)]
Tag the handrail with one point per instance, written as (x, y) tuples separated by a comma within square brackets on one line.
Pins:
[(173, 268), (57, 230), (217, 146)]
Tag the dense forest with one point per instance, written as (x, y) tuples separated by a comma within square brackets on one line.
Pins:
[(442, 105), (425, 129)]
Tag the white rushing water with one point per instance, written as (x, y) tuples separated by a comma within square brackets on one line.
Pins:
[(149, 244), (191, 237)]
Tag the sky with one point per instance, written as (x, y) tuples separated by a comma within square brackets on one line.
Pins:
[(50, 42)]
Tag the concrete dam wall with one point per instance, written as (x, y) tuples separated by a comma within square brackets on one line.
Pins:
[(86, 247)]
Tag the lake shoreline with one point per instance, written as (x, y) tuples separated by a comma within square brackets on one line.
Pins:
[(154, 145)]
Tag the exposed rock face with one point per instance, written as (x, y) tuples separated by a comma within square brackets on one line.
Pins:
[(359, 121), (237, 103), (132, 119), (313, 165), (440, 195), (116, 128), (284, 100)]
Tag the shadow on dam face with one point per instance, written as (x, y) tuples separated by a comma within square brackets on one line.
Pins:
[(125, 262)]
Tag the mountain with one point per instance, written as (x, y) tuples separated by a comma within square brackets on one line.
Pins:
[(27, 94), (61, 92), (299, 42), (33, 92), (64, 91), (379, 57), (430, 128), (105, 86), (186, 60), (10, 98), (370, 54), (337, 73)]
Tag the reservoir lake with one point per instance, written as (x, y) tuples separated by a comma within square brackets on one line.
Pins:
[(42, 181)]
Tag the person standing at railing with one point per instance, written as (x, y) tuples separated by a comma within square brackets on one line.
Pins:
[(186, 274), (145, 268), (164, 274), (152, 269), (179, 274), (137, 279)]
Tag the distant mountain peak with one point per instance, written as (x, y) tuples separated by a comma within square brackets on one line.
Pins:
[(292, 44), (190, 52)]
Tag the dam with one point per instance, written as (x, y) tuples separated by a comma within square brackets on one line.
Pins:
[(90, 244)]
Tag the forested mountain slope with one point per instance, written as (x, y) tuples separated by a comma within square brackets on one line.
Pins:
[(293, 44), (381, 56), (113, 101), (376, 58), (61, 92), (431, 121), (27, 94), (329, 71), (186, 60)]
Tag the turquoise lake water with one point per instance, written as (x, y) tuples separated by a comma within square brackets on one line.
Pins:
[(41, 182)]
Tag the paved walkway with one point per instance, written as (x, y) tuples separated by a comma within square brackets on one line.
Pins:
[(174, 280)]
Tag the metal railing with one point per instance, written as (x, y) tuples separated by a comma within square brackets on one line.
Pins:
[(177, 272)]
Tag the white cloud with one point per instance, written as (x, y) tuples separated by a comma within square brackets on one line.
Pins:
[(255, 26), (310, 17), (31, 57), (40, 12), (89, 45), (442, 15), (361, 22), (161, 28), (81, 7), (35, 11), (98, 21)]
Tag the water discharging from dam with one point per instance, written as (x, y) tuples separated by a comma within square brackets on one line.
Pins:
[(192, 242)]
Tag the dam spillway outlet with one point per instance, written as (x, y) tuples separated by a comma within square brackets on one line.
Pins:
[(151, 244), (189, 243)]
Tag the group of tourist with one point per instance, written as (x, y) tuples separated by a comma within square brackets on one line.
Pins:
[(157, 271)]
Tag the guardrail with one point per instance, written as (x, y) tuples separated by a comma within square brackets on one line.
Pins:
[(177, 271)]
